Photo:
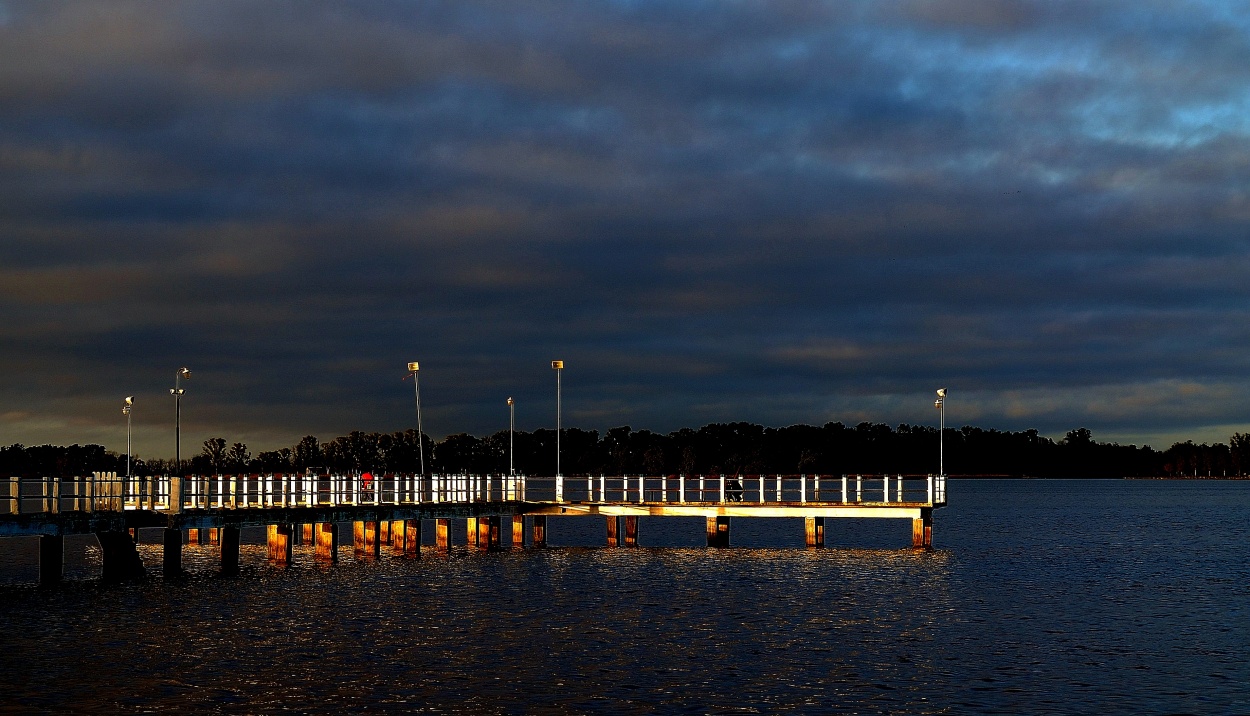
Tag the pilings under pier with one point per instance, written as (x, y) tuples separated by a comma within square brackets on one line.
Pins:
[(718, 531)]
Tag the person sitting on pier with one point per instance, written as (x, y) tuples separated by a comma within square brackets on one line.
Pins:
[(733, 490)]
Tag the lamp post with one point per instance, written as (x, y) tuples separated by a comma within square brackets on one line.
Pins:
[(177, 391), (511, 431), (130, 402), (940, 404), (558, 367), (413, 370)]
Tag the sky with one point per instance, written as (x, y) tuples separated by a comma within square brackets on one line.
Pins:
[(774, 212)]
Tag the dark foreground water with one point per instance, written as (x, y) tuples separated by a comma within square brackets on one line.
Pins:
[(1040, 597)]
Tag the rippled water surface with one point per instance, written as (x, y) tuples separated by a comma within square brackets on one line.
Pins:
[(1039, 597)]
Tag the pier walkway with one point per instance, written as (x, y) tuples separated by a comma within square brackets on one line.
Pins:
[(389, 508)]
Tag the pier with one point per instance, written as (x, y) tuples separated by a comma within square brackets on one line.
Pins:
[(387, 510)]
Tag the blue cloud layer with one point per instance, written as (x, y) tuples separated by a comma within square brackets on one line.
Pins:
[(776, 212)]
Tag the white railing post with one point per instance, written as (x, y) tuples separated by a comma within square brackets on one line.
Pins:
[(885, 488), (779, 489), (702, 490), (929, 489), (859, 488), (900, 488), (559, 488), (681, 488), (722, 488), (816, 487), (803, 489), (642, 489), (844, 500)]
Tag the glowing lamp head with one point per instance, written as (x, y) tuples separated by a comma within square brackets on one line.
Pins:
[(185, 372), (557, 365), (510, 401), (941, 392), (130, 400), (414, 366)]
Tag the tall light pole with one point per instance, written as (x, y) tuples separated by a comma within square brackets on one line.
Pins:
[(177, 391), (414, 370), (940, 404), (130, 402), (511, 431), (558, 367)]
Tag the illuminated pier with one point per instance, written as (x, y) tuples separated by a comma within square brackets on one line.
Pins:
[(388, 510)]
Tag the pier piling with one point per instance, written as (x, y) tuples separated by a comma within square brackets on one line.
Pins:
[(51, 558), (119, 560), (540, 531), (326, 539), (230, 550), (280, 545), (814, 527), (442, 535), (172, 543), (518, 530), (718, 532)]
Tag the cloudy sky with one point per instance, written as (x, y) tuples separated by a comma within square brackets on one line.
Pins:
[(778, 212)]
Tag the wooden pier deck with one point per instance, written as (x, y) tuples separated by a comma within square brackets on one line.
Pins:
[(389, 509)]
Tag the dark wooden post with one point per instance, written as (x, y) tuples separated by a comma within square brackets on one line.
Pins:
[(631, 531), (718, 532), (540, 531), (172, 542), (119, 560), (326, 538), (815, 531), (614, 531), (230, 550), (52, 558), (496, 529)]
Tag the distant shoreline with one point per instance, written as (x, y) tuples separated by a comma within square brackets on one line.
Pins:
[(1188, 478)]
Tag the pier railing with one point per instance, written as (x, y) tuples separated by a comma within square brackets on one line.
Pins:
[(110, 492)]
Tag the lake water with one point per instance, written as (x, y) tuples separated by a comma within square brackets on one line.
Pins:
[(1040, 597)]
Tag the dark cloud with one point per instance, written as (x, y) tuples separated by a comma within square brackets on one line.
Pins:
[(777, 212)]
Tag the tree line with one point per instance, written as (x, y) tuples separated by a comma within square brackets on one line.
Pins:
[(729, 448)]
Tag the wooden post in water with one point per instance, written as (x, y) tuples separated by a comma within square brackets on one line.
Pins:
[(442, 535), (119, 560), (614, 533), (483, 533), (398, 536), (193, 536), (540, 531), (373, 543), (718, 532), (384, 529), (518, 530), (412, 538), (172, 542), (326, 539), (280, 545), (815, 531), (214, 535), (52, 558), (230, 550), (631, 531), (358, 537), (922, 529), (470, 531), (310, 535)]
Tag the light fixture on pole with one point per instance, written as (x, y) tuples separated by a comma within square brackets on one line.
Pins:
[(558, 367), (511, 432), (183, 373), (413, 371), (130, 402), (940, 404)]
